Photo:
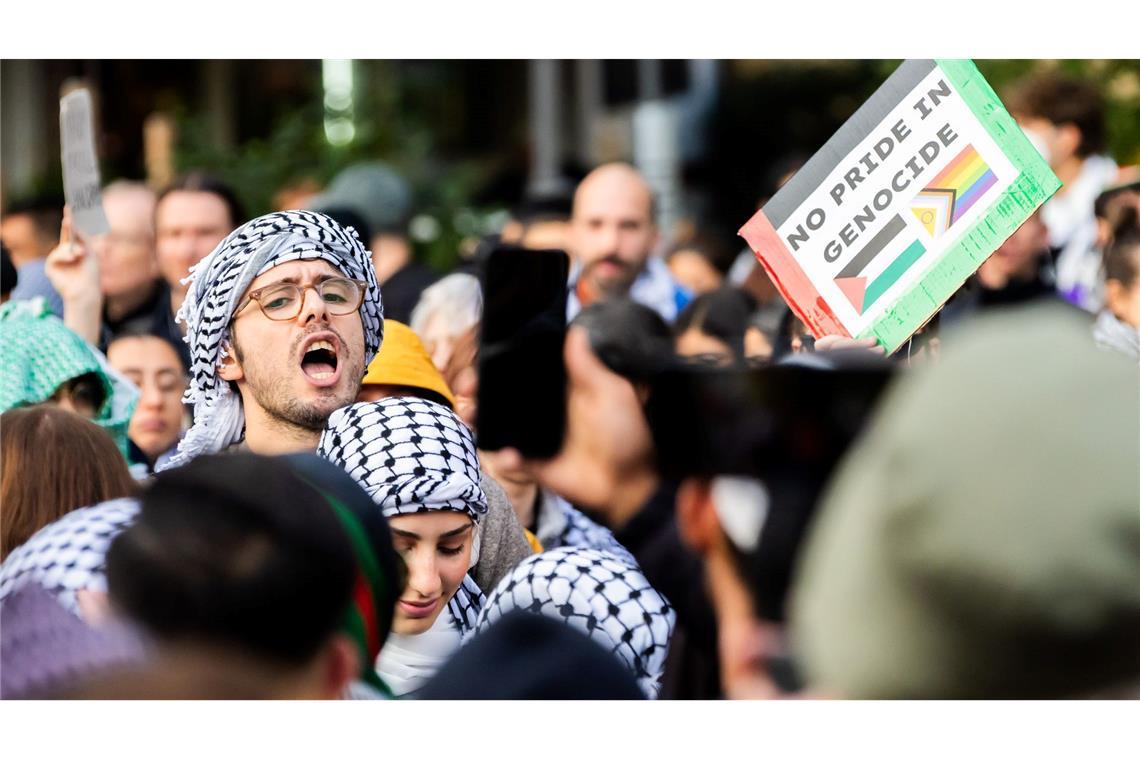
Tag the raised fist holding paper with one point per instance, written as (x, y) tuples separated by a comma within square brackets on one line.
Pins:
[(73, 269)]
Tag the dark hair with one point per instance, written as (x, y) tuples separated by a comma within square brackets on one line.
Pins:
[(8, 274), (711, 247), (790, 326), (723, 314), (46, 212), (1063, 100), (630, 339), (201, 182), (346, 218), (544, 207), (236, 550), (87, 388), (139, 332), (55, 461), (1122, 256)]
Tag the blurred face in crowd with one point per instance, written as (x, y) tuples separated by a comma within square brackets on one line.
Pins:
[(1018, 257), (127, 265), (297, 371), (695, 272), (83, 395), (607, 445), (439, 340), (153, 365), (23, 239), (1057, 143), (612, 231), (436, 547), (699, 347), (751, 649), (757, 347), (188, 226)]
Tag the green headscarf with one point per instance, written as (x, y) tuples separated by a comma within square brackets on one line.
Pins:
[(41, 354)]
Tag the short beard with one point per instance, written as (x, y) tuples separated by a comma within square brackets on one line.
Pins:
[(274, 396), (617, 287)]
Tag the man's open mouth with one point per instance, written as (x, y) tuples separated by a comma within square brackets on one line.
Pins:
[(319, 361)]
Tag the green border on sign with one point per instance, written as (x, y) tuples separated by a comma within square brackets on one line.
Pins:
[(1035, 185)]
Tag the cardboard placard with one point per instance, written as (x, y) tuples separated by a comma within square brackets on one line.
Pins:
[(81, 183), (888, 219)]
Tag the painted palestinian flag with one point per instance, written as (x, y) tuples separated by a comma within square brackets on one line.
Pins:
[(901, 205)]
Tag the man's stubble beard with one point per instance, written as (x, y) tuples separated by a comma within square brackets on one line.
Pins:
[(275, 397), (614, 287)]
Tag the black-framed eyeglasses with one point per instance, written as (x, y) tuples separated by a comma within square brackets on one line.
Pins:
[(283, 300)]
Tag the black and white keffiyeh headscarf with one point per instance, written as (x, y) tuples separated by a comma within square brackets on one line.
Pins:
[(594, 591), (70, 554), (409, 454), (412, 456), (217, 284)]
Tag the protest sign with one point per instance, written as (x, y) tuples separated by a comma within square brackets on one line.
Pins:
[(903, 203), (81, 185)]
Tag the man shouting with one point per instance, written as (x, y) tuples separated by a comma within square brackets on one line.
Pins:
[(282, 320)]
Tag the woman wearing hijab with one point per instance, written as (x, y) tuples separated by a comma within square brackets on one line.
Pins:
[(417, 461), (45, 362)]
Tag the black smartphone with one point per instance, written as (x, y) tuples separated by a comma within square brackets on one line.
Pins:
[(522, 378)]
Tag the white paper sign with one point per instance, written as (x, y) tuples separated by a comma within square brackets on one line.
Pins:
[(81, 182)]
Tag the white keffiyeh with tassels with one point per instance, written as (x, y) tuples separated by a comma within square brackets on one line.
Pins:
[(217, 284)]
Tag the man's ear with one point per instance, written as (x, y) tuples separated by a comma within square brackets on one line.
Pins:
[(696, 518), (229, 368), (1115, 297), (340, 666)]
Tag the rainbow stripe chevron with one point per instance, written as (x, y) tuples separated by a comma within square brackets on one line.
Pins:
[(953, 192)]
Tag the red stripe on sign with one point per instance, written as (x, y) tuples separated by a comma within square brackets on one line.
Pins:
[(791, 280)]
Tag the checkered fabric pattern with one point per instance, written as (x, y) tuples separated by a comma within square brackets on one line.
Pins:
[(559, 524), (69, 554), (217, 284), (41, 353), (604, 597), (466, 605), (410, 455), (45, 649)]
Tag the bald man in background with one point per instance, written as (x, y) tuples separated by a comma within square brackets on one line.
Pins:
[(111, 284), (613, 232)]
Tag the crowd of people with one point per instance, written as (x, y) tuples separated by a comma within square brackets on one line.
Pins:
[(242, 458)]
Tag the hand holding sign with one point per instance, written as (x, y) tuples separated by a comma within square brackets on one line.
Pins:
[(73, 269), (81, 183)]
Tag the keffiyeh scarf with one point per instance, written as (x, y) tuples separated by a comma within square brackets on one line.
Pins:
[(70, 554), (41, 353), (605, 598), (46, 650), (412, 456), (217, 284), (559, 524)]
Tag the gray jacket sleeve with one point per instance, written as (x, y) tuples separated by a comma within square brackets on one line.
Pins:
[(502, 541)]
